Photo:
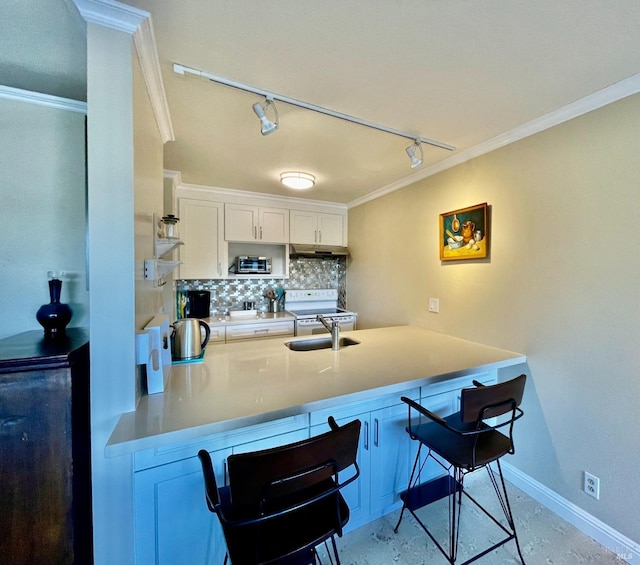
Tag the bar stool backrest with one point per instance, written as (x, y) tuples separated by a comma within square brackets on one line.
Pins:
[(482, 402), (274, 474)]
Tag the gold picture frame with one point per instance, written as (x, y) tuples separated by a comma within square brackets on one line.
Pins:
[(464, 234)]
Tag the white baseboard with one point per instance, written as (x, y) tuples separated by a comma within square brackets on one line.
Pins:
[(625, 548)]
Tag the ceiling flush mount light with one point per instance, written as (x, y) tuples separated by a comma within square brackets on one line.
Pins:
[(266, 125), (297, 180), (413, 151)]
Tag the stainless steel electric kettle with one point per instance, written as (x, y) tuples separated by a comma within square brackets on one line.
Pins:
[(187, 338)]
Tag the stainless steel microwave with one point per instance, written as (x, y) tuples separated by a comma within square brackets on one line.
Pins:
[(253, 265)]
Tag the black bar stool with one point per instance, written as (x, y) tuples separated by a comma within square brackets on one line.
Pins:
[(462, 443), (281, 503)]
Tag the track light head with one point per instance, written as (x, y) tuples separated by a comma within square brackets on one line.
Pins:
[(266, 125), (415, 147)]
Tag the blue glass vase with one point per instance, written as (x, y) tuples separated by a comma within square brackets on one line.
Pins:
[(55, 316)]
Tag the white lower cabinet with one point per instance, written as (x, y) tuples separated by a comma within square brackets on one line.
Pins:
[(260, 331), (385, 454), (252, 331), (172, 522), (217, 334)]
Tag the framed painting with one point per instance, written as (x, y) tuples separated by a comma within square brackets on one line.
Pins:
[(464, 234)]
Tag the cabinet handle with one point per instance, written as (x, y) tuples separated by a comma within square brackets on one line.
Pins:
[(255, 232), (375, 432), (260, 233), (266, 330), (315, 236), (319, 236), (366, 436)]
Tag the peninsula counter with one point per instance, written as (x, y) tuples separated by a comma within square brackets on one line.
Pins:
[(253, 395), (248, 383)]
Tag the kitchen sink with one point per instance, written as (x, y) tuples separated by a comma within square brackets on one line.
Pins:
[(319, 343)]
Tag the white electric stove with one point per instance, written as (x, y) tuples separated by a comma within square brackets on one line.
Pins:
[(306, 305)]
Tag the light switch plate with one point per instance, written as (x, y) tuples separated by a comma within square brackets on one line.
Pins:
[(434, 305)]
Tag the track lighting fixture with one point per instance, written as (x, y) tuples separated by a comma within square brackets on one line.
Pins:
[(416, 146), (266, 125), (297, 180)]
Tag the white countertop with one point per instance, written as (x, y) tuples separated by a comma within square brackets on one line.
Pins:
[(251, 382)]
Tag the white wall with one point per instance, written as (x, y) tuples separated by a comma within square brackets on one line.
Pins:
[(112, 290), (561, 286), (43, 211), (125, 188), (148, 200)]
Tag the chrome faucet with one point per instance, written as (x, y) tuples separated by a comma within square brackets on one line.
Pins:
[(333, 329)]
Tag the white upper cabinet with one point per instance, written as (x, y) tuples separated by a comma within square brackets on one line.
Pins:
[(304, 226), (331, 229), (203, 254), (317, 228), (254, 223)]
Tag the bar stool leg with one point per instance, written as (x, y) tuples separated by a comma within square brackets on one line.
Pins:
[(410, 485), (507, 507)]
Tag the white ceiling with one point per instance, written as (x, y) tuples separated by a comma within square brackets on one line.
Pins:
[(459, 71)]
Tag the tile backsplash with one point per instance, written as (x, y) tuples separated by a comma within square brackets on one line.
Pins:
[(303, 273)]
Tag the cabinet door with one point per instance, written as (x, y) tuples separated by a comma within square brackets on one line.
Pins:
[(356, 494), (217, 333), (273, 225), (240, 222), (172, 521), (330, 229), (260, 331), (304, 227), (35, 467), (442, 405), (202, 254), (272, 441), (392, 456)]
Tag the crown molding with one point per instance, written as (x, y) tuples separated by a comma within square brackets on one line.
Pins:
[(145, 42), (121, 17), (9, 93), (111, 14), (575, 109), (232, 193)]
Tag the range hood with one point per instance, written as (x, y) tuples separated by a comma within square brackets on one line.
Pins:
[(317, 251)]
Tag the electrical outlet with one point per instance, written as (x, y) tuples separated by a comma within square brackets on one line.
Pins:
[(591, 485), (434, 305)]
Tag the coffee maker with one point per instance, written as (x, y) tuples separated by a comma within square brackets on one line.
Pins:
[(198, 304)]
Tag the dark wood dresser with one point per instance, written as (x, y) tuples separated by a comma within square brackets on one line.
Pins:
[(45, 456)]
